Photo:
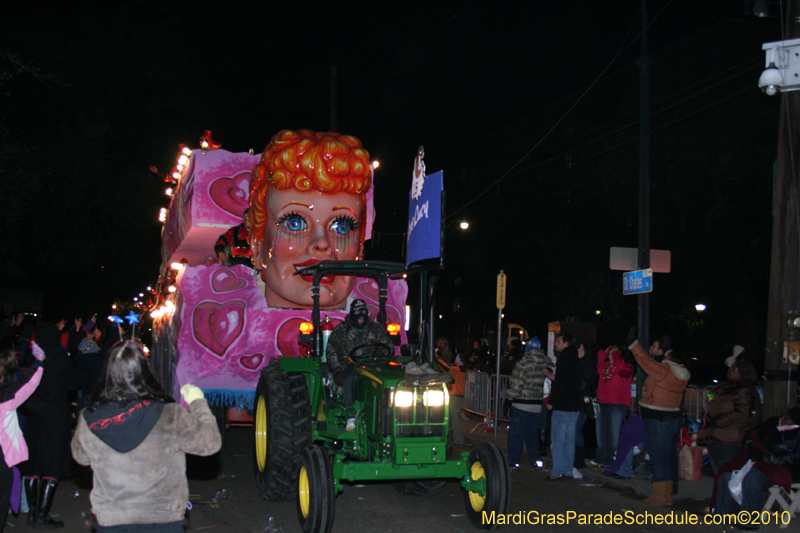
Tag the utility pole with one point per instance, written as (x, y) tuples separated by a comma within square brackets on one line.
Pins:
[(643, 303), (781, 379)]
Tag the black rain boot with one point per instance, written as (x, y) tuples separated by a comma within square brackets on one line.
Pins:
[(46, 493), (31, 485)]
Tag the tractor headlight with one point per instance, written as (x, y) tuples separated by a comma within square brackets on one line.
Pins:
[(403, 398), (433, 398)]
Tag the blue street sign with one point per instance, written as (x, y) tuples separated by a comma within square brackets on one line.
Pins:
[(637, 282)]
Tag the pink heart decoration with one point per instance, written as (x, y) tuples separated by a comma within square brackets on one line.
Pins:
[(252, 362), (216, 326), (370, 290), (287, 336), (231, 194), (223, 280)]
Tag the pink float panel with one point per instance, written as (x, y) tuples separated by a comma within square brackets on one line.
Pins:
[(226, 333), (210, 198)]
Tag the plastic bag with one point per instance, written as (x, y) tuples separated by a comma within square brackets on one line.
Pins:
[(691, 463), (735, 484)]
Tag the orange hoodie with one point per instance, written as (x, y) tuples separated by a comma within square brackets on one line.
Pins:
[(459, 384)]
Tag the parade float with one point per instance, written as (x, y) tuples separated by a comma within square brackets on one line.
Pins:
[(212, 325)]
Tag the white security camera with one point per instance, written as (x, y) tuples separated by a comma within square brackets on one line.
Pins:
[(771, 80), (782, 72)]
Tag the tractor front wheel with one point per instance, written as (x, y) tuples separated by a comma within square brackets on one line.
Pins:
[(316, 496), (487, 461)]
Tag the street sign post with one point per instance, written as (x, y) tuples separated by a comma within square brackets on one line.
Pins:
[(637, 282), (628, 259), (501, 290), (501, 304)]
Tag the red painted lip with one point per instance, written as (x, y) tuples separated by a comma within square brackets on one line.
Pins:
[(309, 278)]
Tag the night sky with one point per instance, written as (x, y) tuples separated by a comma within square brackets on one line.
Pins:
[(529, 108)]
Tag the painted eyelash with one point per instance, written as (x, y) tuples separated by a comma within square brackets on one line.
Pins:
[(294, 215), (352, 221)]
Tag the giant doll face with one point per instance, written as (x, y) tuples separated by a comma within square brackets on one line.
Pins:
[(304, 228)]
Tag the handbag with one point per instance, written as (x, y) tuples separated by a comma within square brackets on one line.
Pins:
[(735, 484), (591, 407)]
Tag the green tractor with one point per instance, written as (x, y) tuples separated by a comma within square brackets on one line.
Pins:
[(302, 449)]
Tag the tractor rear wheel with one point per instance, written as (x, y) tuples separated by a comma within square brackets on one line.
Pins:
[(282, 424), (487, 461)]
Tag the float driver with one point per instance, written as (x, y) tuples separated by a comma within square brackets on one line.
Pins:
[(356, 329)]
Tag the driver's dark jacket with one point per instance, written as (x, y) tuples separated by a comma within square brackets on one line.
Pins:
[(347, 336)]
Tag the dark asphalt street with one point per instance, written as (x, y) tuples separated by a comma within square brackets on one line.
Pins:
[(378, 506)]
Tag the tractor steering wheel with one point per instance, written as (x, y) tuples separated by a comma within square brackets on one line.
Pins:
[(377, 347)]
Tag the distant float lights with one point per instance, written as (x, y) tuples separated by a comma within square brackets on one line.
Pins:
[(168, 192), (207, 142), (376, 164), (162, 215), (166, 309)]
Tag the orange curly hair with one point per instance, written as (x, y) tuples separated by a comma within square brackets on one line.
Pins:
[(326, 161)]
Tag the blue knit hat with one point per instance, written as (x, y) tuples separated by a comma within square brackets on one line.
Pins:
[(533, 344)]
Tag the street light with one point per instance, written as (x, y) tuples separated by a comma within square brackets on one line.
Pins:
[(700, 307), (462, 224)]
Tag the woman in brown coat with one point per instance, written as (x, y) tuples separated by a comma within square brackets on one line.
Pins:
[(733, 410)]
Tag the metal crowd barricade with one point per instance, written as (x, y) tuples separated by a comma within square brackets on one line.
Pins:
[(502, 414), (479, 396), (476, 393)]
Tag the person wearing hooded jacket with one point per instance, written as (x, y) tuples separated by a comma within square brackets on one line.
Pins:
[(526, 393), (456, 390), (13, 449), (614, 395), (356, 329), (47, 428), (135, 438), (734, 409), (660, 408)]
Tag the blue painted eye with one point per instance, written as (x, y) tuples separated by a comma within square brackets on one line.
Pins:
[(293, 222), (343, 225)]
